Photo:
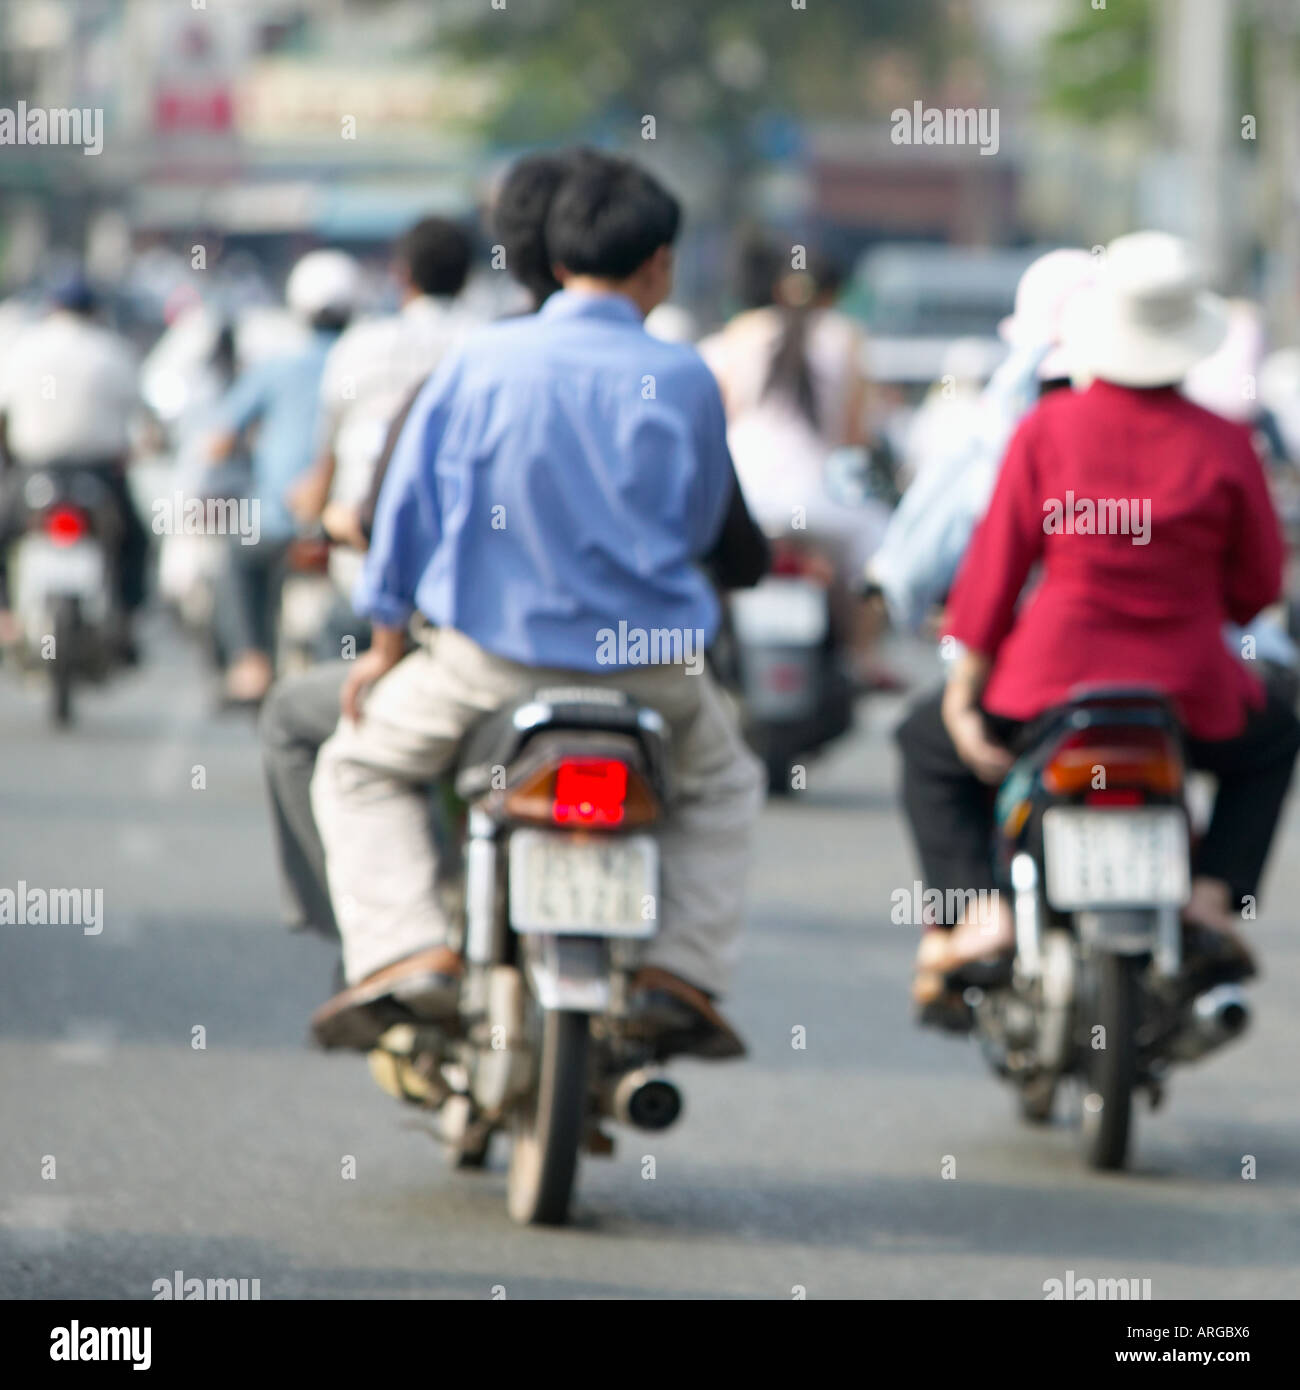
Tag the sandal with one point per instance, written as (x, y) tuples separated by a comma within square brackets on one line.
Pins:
[(940, 1004)]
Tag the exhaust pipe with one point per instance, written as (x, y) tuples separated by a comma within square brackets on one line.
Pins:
[(646, 1100), (1215, 1018)]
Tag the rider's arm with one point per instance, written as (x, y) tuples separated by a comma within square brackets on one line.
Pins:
[(964, 721), (856, 433), (714, 485), (1256, 552), (741, 554), (243, 404), (308, 495)]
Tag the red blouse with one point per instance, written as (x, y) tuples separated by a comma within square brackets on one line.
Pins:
[(1154, 526)]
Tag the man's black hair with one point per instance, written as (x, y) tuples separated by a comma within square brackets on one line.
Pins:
[(436, 254), (519, 220), (609, 218)]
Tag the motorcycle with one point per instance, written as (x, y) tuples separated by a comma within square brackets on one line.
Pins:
[(1093, 837), (786, 657), (61, 581), (560, 881), (307, 600), (785, 641)]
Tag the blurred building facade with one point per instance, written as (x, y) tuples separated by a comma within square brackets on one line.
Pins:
[(277, 122)]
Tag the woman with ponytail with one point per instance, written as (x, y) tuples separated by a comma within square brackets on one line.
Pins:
[(790, 368)]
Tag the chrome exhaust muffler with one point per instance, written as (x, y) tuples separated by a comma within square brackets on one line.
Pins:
[(645, 1099), (1215, 1018)]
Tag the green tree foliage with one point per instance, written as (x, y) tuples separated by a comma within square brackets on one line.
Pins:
[(1102, 64), (715, 65)]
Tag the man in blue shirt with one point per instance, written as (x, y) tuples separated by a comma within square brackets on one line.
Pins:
[(548, 505)]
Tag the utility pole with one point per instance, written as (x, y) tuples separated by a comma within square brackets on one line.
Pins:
[(1205, 69), (1277, 50)]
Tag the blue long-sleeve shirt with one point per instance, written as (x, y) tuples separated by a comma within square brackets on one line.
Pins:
[(282, 395), (559, 475)]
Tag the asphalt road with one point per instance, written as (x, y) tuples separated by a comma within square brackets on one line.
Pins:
[(817, 1168)]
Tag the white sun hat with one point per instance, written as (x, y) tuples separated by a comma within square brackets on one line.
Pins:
[(1046, 289), (1149, 319), (324, 282), (1226, 381)]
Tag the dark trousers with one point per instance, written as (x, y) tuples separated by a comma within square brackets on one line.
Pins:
[(133, 543), (248, 596), (950, 811), (298, 715)]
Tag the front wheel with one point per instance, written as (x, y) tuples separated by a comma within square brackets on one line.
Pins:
[(780, 774), (549, 1129), (1110, 1058), (1037, 1099)]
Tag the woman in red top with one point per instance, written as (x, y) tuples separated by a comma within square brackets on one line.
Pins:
[(1151, 525)]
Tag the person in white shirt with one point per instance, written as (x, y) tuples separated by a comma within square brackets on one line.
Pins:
[(369, 376), (69, 397), (71, 387)]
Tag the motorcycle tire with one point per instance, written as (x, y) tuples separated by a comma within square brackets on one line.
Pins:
[(1037, 1100), (62, 667), (780, 775), (1110, 1072), (549, 1131)]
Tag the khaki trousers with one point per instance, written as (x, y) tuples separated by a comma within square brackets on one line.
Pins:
[(369, 796)]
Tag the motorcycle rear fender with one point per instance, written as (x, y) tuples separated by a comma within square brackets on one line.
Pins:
[(567, 972), (1153, 931), (1120, 932)]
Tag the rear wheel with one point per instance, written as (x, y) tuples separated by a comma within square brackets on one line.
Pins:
[(66, 623), (549, 1130), (1110, 1058)]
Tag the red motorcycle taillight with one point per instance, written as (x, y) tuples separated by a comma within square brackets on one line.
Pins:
[(1123, 759), (589, 792), (583, 794), (1115, 796), (64, 525), (786, 678), (787, 561)]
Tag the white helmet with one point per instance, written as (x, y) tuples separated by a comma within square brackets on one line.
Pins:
[(324, 282)]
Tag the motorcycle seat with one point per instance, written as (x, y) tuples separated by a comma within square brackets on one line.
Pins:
[(1101, 694), (1096, 707), (499, 738)]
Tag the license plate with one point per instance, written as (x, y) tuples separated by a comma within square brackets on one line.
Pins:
[(778, 682), (583, 885), (1115, 858), (48, 569)]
